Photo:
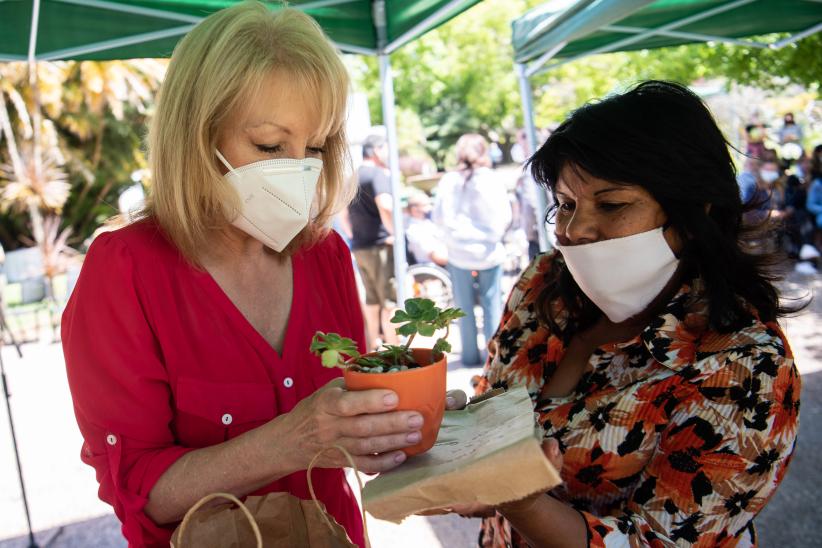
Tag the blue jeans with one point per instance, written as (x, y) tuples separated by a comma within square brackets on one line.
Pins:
[(490, 297)]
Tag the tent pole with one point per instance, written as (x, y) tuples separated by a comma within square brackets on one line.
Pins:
[(530, 130), (35, 24), (390, 120), (796, 37)]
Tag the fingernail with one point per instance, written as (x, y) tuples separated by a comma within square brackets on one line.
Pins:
[(399, 457), (555, 448), (415, 421), (450, 402), (390, 400), (413, 437)]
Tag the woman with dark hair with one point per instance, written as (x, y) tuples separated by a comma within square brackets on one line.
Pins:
[(648, 340)]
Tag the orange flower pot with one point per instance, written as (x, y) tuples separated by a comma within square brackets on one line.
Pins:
[(420, 389)]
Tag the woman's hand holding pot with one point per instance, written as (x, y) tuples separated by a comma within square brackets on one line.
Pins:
[(363, 422)]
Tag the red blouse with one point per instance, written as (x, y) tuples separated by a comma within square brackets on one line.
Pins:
[(161, 362)]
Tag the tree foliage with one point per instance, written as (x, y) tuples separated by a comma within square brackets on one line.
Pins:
[(460, 77), (93, 121)]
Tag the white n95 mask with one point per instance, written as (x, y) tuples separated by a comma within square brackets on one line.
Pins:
[(622, 275), (275, 197)]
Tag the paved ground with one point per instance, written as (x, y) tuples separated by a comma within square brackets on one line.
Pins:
[(66, 512)]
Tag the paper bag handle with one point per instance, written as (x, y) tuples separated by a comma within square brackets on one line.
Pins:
[(208, 498), (350, 460)]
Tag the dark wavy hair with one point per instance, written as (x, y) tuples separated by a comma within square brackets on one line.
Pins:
[(660, 136)]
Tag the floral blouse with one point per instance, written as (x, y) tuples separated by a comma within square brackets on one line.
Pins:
[(675, 438)]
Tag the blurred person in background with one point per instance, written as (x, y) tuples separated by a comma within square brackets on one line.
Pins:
[(766, 204), (755, 134), (371, 218), (748, 179), (424, 237), (790, 132), (494, 149), (798, 221), (814, 203), (473, 211), (527, 212), (520, 151)]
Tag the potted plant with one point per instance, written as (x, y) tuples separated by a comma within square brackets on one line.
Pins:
[(417, 375)]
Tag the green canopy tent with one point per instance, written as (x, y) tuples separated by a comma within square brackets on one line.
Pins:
[(45, 30), (562, 31)]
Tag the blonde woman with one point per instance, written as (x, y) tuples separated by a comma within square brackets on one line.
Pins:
[(186, 339), (473, 211)]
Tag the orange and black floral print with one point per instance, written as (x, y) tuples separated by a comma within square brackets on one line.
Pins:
[(675, 438)]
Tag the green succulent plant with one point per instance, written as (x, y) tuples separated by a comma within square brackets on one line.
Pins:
[(420, 316)]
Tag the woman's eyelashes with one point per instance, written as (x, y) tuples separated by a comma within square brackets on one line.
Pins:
[(607, 207), (610, 207), (278, 149), (269, 149)]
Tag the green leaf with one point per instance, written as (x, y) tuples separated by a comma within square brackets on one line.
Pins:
[(412, 307), (331, 348), (426, 330), (407, 329), (441, 345), (400, 316), (370, 361), (330, 358)]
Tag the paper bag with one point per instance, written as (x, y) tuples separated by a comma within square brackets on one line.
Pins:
[(276, 520), (488, 453)]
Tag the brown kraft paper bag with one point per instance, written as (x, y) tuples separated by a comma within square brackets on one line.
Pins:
[(275, 520)]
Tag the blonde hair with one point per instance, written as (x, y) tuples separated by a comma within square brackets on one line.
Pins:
[(472, 152), (213, 71)]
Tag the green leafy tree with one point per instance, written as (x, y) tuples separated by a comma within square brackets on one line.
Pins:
[(91, 118), (460, 77)]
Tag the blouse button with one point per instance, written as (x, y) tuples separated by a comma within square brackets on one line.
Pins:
[(111, 439), (288, 382), (227, 418)]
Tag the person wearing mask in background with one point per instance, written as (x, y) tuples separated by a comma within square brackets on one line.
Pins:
[(473, 211), (814, 203), (648, 340), (748, 178), (186, 338), (799, 223), (767, 205), (755, 140), (790, 132), (371, 218), (424, 236)]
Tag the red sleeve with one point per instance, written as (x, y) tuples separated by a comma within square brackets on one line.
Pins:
[(351, 295), (119, 385)]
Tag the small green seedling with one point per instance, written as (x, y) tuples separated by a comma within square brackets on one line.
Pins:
[(420, 316)]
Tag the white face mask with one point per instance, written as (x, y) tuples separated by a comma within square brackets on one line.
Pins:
[(769, 175), (622, 275), (276, 197)]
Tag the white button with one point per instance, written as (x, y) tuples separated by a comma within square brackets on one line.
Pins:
[(288, 382), (111, 439), (227, 419)]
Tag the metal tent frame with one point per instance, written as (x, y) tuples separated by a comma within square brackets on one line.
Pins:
[(580, 20)]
